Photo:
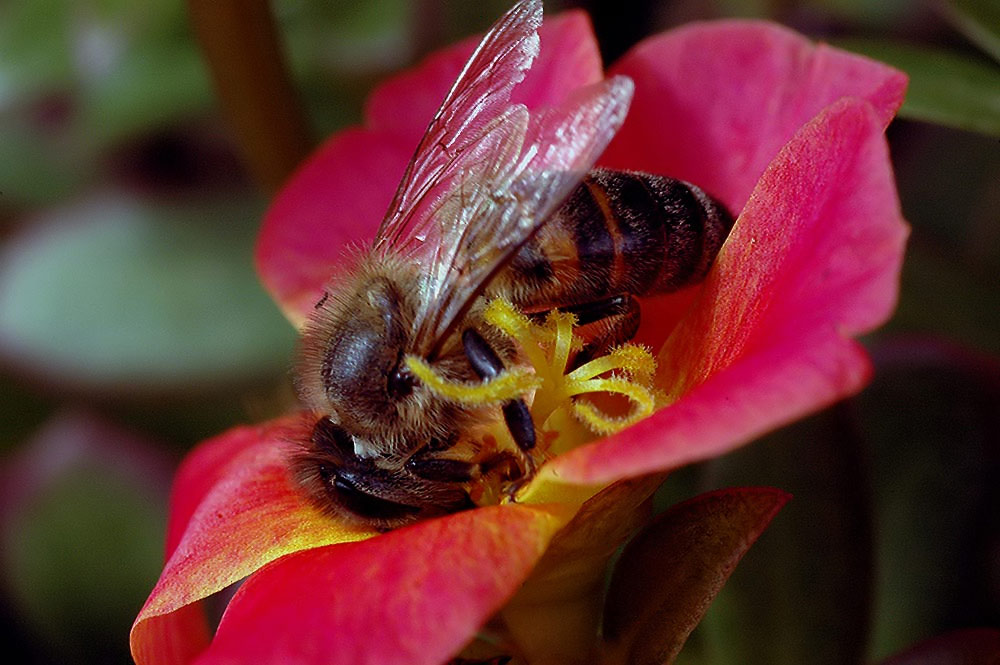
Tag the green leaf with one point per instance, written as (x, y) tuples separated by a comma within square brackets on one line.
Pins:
[(863, 13), (37, 54), (960, 647), (668, 575), (23, 412), (37, 167), (978, 20), (108, 294), (945, 87)]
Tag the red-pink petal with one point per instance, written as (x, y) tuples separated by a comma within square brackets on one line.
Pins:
[(762, 391), (335, 201), (236, 516), (171, 639), (814, 257), (715, 102), (204, 466), (413, 596), (818, 247), (331, 205)]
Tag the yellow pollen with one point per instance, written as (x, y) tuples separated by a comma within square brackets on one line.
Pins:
[(507, 385), (626, 371)]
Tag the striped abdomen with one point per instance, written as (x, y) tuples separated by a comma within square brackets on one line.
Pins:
[(619, 233)]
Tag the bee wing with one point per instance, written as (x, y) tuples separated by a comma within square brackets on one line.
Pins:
[(479, 96), (524, 168)]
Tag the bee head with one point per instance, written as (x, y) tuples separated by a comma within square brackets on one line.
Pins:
[(351, 355), (351, 363), (363, 355)]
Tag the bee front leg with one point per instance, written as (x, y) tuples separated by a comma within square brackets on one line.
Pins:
[(487, 364)]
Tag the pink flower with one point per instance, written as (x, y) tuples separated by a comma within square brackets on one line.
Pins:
[(787, 133)]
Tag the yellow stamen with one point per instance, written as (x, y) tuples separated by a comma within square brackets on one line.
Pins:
[(633, 359), (507, 385), (565, 340), (626, 371), (643, 401), (502, 315)]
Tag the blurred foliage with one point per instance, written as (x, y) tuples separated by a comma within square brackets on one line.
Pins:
[(82, 512), (945, 87), (979, 20), (110, 293), (932, 422), (127, 290)]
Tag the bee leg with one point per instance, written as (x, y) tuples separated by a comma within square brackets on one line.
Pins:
[(601, 310), (487, 364), (615, 329)]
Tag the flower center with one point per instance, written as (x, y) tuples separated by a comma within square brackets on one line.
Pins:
[(569, 405)]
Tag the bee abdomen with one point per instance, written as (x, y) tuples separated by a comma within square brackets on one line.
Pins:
[(622, 232), (668, 232)]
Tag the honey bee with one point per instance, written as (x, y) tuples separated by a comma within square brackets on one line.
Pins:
[(496, 201)]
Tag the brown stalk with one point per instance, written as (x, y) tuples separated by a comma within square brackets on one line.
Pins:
[(241, 46)]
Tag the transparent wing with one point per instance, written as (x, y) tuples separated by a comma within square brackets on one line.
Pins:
[(479, 96), (524, 167)]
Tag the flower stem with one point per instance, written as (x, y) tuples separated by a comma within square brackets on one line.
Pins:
[(240, 42)]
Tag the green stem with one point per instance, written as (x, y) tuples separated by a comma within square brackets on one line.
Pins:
[(240, 42)]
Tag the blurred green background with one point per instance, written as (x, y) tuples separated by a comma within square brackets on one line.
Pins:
[(132, 324)]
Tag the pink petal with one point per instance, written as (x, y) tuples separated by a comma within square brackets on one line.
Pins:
[(177, 637), (238, 513), (331, 205), (761, 392), (171, 639), (335, 201), (818, 247), (202, 469), (412, 596), (716, 101), (815, 256)]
